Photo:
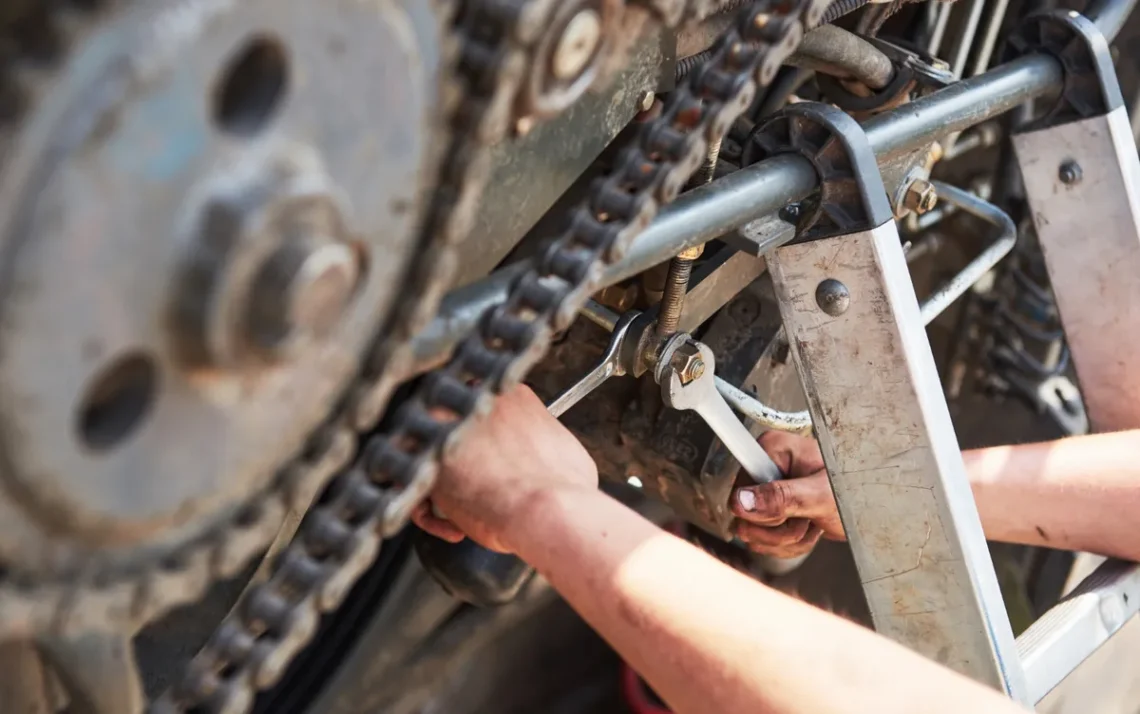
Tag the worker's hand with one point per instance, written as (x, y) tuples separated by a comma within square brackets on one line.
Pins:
[(786, 518), (507, 458)]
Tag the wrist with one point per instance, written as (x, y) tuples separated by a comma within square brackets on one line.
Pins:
[(537, 509)]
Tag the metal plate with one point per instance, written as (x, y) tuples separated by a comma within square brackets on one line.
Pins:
[(886, 437), (1089, 231)]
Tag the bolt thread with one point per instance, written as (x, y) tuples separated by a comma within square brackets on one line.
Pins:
[(707, 170), (673, 301)]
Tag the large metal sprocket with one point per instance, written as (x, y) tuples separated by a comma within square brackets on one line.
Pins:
[(170, 174)]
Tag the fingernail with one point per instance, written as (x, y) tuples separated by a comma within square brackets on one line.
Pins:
[(747, 500)]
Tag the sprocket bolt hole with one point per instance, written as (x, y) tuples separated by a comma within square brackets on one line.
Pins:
[(117, 401), (252, 87)]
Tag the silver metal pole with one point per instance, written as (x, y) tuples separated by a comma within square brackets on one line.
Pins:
[(757, 191)]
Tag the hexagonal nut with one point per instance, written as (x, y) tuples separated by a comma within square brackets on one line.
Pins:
[(921, 196), (687, 362)]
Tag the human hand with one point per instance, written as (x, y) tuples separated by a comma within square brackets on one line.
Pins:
[(509, 456), (786, 518)]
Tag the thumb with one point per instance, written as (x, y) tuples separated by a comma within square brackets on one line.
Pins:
[(770, 504)]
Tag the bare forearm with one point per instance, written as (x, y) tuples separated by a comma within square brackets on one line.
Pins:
[(1081, 493), (710, 639)]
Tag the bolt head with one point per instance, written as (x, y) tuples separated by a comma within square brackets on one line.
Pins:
[(577, 45), (301, 294), (687, 362), (645, 102), (921, 196), (833, 297), (1070, 173)]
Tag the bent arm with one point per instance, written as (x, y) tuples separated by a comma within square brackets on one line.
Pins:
[(709, 639), (1080, 493)]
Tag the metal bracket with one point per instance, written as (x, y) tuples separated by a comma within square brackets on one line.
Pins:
[(859, 343), (912, 71), (851, 194), (1082, 179), (1090, 87)]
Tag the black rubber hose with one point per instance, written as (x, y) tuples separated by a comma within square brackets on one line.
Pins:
[(1109, 15)]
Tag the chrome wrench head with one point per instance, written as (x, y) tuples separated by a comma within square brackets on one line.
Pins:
[(686, 373), (611, 365)]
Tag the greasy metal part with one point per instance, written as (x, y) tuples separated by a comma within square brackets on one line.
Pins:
[(838, 52), (1076, 627), (977, 268), (676, 286), (577, 44), (686, 388), (681, 267), (562, 149), (174, 143), (757, 191), (719, 278), (896, 471), (1094, 289), (920, 196), (568, 56), (748, 405)]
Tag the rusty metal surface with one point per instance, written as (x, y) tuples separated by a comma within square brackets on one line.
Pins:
[(559, 150), (138, 172), (631, 435)]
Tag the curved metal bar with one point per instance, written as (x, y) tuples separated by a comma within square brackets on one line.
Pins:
[(761, 413), (1109, 15), (978, 267)]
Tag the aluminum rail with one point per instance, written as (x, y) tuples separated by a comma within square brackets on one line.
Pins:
[(728, 203), (1076, 627)]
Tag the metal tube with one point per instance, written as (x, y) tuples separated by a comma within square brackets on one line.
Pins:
[(728, 203), (837, 52), (940, 23), (963, 104), (989, 40), (933, 306), (966, 42), (754, 409), (1109, 15)]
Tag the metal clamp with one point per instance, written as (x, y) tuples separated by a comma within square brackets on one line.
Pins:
[(851, 193), (912, 70), (1090, 86)]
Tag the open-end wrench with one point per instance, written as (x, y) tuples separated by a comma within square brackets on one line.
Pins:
[(690, 383), (610, 366)]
